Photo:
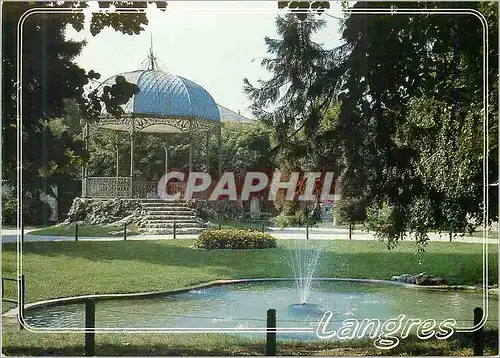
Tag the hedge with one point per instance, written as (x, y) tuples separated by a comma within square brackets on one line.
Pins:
[(234, 239)]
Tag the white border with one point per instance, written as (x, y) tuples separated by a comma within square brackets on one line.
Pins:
[(254, 11)]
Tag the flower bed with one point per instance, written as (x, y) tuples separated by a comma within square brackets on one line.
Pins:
[(234, 239)]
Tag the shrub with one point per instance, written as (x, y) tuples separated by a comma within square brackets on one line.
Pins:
[(234, 239), (9, 212), (380, 219), (350, 210), (218, 209), (298, 215), (296, 220), (34, 209)]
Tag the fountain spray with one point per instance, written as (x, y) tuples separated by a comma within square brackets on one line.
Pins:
[(304, 262)]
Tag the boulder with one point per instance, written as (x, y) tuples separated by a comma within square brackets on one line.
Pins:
[(407, 278), (97, 212), (420, 279)]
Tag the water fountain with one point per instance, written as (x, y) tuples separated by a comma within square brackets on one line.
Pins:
[(304, 261)]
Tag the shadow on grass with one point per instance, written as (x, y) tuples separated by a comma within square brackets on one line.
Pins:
[(460, 344), (456, 268)]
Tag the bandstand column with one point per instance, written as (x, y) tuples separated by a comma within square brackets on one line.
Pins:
[(132, 130), (85, 168), (219, 152), (207, 143), (117, 161), (190, 147)]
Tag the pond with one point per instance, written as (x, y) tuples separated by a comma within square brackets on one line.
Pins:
[(244, 306)]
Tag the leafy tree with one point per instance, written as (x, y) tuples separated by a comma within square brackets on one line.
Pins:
[(409, 89), (49, 78), (245, 147), (415, 115), (350, 211)]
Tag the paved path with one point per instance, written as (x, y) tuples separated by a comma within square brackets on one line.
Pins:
[(10, 236), (343, 234)]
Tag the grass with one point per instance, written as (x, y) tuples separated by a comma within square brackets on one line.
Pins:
[(61, 269), (23, 343), (86, 231)]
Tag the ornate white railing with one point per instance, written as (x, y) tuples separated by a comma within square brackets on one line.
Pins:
[(108, 187), (127, 187), (142, 188)]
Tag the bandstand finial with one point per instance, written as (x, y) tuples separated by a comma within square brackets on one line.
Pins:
[(152, 58)]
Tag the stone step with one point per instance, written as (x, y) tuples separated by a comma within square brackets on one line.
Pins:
[(162, 201), (167, 225), (169, 216), (164, 207), (170, 220), (178, 231), (158, 217), (169, 212)]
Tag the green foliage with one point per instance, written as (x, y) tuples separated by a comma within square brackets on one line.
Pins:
[(9, 211), (234, 239), (297, 214), (417, 144), (217, 209), (406, 133), (34, 209), (380, 220), (350, 210), (295, 99), (245, 147), (292, 220)]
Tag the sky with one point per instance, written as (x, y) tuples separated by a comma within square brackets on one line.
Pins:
[(213, 43)]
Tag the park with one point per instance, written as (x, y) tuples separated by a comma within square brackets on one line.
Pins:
[(350, 209)]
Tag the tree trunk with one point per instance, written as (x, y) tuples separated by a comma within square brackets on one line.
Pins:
[(350, 231), (450, 235)]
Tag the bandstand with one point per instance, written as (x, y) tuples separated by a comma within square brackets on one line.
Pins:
[(165, 103)]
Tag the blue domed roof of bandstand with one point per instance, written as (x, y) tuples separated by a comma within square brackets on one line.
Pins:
[(166, 95)]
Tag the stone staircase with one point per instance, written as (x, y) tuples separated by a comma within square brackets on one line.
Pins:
[(159, 216)]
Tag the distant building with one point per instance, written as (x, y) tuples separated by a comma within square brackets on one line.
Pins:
[(227, 115)]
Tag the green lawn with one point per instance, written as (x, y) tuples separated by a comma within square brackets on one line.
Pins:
[(86, 231), (60, 269), (22, 343)]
